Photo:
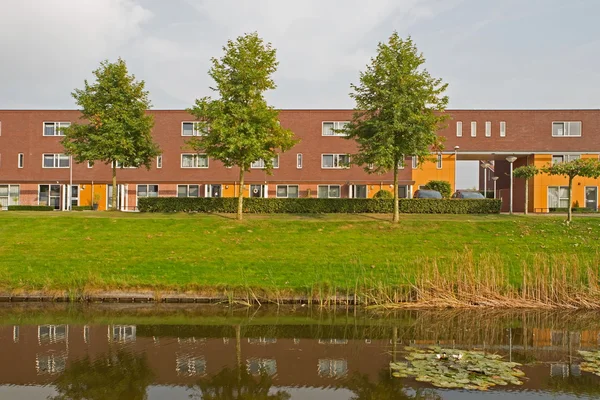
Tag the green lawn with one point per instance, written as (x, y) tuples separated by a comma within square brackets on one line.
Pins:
[(104, 250)]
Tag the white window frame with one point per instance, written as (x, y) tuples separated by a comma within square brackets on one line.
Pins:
[(260, 163), (565, 158), (335, 161), (137, 191), (473, 128), (337, 125), (567, 128), (8, 200), (56, 128), (459, 128), (122, 333), (299, 159), (502, 128), (559, 198), (159, 161), (195, 131), (57, 157), (53, 337), (415, 162), (195, 160), (21, 160), (187, 190), (118, 165), (402, 163), (328, 191), (287, 191), (89, 164), (439, 161), (488, 128)]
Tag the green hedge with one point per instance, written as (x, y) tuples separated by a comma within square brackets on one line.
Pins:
[(30, 208), (81, 208), (318, 206), (574, 209)]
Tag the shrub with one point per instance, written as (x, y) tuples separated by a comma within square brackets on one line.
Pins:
[(443, 187), (317, 206), (573, 209), (30, 208), (81, 208), (383, 194)]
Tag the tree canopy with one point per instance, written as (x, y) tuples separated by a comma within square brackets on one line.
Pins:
[(239, 127), (399, 110)]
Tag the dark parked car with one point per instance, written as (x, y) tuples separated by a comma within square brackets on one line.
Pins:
[(427, 194), (467, 194)]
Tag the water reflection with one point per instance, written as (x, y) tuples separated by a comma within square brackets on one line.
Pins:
[(170, 352)]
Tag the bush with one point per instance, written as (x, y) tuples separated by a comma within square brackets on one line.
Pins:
[(443, 187), (30, 208), (573, 209), (81, 208), (383, 194), (317, 206)]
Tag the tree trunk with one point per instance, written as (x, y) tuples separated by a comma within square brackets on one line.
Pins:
[(396, 218), (569, 216), (526, 195), (241, 196), (113, 201)]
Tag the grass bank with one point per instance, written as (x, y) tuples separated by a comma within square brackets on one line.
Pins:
[(432, 260)]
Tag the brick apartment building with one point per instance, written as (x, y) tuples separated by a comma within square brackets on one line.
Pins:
[(34, 169)]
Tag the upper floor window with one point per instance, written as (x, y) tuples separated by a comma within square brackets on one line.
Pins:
[(21, 160), (260, 163), (439, 161), (473, 129), (159, 161), (415, 162), (335, 161), (458, 128), (55, 128), (572, 128), (119, 164), (56, 161), (299, 160), (488, 129), (194, 161), (560, 158), (331, 128), (191, 129), (502, 128)]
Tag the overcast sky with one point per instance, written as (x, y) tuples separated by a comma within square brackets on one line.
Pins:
[(493, 53)]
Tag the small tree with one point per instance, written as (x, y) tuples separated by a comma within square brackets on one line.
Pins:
[(118, 130), (443, 187), (526, 172), (583, 167), (239, 127), (399, 109)]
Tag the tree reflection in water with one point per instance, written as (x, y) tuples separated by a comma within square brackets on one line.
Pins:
[(117, 375), (237, 384), (385, 388)]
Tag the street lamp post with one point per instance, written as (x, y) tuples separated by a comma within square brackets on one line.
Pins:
[(486, 165), (495, 178), (511, 160)]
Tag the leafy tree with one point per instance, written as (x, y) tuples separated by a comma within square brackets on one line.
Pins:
[(526, 172), (114, 375), (239, 127), (118, 130), (443, 187), (583, 167), (399, 109)]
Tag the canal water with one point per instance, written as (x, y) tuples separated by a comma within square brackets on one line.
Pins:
[(132, 351)]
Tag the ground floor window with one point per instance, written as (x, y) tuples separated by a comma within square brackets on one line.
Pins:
[(259, 191), (146, 191), (212, 190), (49, 195), (358, 191), (9, 196), (188, 190), (329, 192), (290, 191), (558, 197), (403, 192)]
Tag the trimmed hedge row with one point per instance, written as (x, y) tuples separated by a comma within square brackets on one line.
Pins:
[(81, 208), (317, 206), (30, 208), (573, 209)]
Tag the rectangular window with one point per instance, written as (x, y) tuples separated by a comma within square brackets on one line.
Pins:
[(260, 163), (299, 161), (287, 191), (147, 190), (335, 161), (0, 128), (191, 129), (557, 159), (49, 195), (119, 164), (473, 129), (359, 191), (561, 129), (329, 191), (188, 190), (55, 161), (439, 161), (415, 162), (502, 128), (558, 196), (89, 164), (331, 128), (159, 161), (21, 160), (194, 161), (55, 128), (458, 128), (488, 129), (401, 163), (9, 196)]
